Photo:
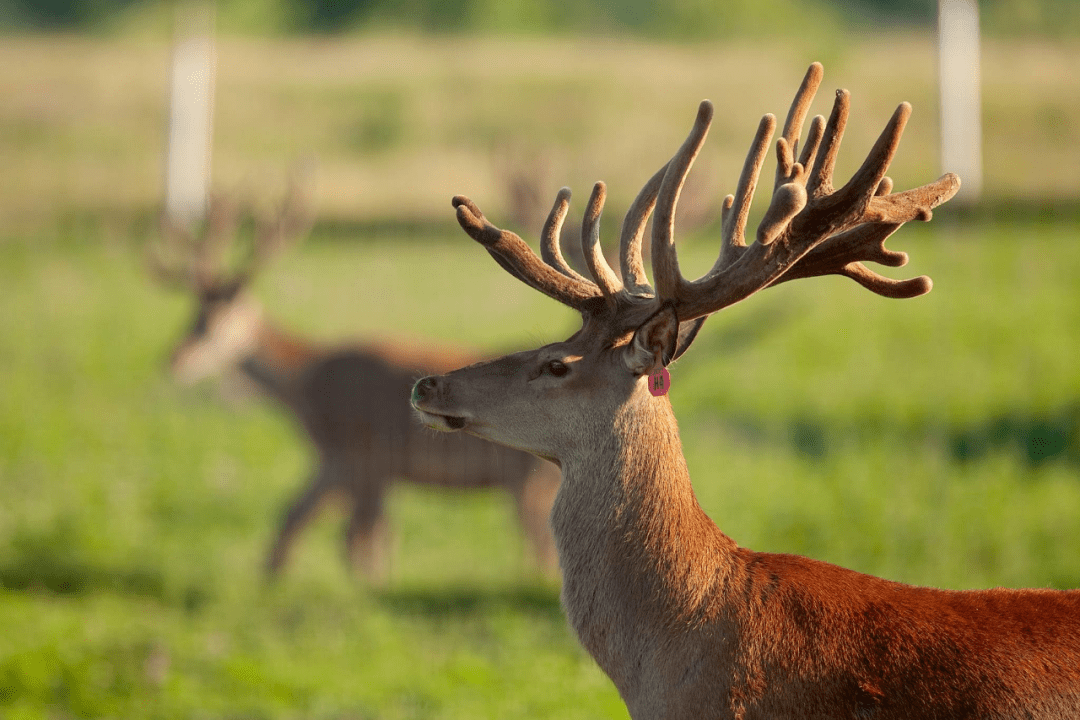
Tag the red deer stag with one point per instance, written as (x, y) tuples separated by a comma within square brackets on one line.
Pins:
[(686, 623), (351, 400)]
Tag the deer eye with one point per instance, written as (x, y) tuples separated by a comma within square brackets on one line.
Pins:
[(556, 368)]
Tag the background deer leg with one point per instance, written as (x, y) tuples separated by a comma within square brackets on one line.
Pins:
[(366, 535), (297, 516)]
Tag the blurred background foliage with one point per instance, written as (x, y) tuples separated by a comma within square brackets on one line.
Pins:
[(676, 20)]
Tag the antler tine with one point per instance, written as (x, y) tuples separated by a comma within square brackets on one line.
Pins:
[(219, 228), (913, 204), (866, 213), (813, 142), (633, 230), (794, 122), (276, 230), (551, 234), (887, 287), (819, 179), (866, 241), (669, 282), (606, 280), (737, 209), (865, 182), (845, 252), (736, 212), (867, 198), (515, 256), (170, 271), (296, 209), (190, 260)]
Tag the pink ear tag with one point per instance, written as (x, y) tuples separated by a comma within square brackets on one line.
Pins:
[(660, 382)]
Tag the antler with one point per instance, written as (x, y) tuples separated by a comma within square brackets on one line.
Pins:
[(275, 231), (808, 229), (186, 259), (555, 279), (192, 258)]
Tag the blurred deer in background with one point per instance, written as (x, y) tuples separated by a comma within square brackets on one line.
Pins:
[(685, 622), (351, 400)]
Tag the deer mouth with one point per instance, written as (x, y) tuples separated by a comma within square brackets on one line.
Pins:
[(424, 394), (438, 421)]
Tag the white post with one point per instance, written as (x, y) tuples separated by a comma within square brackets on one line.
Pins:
[(191, 109), (961, 119)]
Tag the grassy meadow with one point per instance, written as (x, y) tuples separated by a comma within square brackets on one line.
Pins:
[(932, 441)]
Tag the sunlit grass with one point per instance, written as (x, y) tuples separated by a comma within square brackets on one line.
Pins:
[(816, 419)]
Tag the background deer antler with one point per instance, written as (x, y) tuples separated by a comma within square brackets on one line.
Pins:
[(186, 257), (197, 257)]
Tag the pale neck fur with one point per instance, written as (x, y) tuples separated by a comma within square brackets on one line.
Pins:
[(639, 556), (276, 359)]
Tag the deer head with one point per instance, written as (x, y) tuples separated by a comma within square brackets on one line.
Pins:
[(227, 317), (558, 401)]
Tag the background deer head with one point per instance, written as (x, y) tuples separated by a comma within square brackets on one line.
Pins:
[(197, 260)]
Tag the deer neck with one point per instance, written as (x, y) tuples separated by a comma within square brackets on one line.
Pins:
[(277, 360), (635, 547)]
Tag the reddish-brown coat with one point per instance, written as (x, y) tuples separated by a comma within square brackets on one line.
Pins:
[(684, 622)]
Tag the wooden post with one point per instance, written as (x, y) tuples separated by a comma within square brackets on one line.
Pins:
[(961, 115), (191, 109)]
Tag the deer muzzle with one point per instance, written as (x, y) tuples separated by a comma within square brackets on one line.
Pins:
[(427, 402)]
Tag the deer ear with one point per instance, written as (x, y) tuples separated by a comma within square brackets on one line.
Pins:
[(654, 343), (687, 332)]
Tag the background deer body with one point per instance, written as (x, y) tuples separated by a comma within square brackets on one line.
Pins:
[(350, 401), (684, 621)]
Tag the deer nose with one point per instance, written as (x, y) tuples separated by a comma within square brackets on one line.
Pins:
[(423, 389)]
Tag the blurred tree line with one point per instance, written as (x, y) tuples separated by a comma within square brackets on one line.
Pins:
[(669, 19)]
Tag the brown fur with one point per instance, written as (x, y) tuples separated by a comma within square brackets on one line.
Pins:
[(686, 623)]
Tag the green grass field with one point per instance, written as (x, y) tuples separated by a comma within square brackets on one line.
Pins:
[(933, 441)]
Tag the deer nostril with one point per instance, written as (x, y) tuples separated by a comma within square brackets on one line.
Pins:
[(423, 389)]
